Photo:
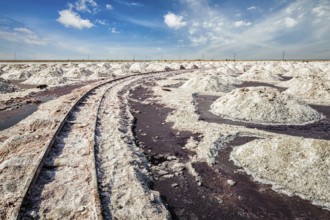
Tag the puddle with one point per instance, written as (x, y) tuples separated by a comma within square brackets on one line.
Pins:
[(12, 117)]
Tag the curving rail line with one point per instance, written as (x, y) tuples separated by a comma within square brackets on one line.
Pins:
[(21, 210)]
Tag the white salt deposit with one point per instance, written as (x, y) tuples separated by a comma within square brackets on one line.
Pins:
[(264, 105), (313, 91), (207, 83), (45, 80), (293, 165), (259, 75), (6, 87)]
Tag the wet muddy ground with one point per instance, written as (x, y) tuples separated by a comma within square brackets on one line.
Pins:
[(15, 110), (213, 198), (254, 84)]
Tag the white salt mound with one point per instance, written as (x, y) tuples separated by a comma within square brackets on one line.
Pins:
[(6, 87), (207, 83), (310, 89), (264, 105), (45, 80), (260, 75), (294, 165)]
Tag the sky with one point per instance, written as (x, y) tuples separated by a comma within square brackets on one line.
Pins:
[(164, 29)]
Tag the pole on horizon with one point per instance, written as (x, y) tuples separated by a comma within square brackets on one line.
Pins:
[(283, 55)]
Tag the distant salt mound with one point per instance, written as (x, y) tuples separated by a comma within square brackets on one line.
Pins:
[(264, 105), (78, 72), (50, 72), (303, 72), (50, 80), (207, 83), (276, 69), (224, 78), (297, 166), (192, 66), (16, 75), (156, 67), (138, 68), (6, 87), (101, 72), (315, 90), (260, 76), (227, 70)]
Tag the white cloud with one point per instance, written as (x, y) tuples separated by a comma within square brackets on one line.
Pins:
[(24, 31), (109, 7), (129, 4), (174, 21), (114, 30), (252, 8), (290, 22), (242, 23), (102, 22), (322, 10), (86, 5), (24, 35), (69, 18), (199, 40)]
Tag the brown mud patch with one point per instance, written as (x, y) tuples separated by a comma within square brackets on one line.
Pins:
[(214, 198), (318, 130)]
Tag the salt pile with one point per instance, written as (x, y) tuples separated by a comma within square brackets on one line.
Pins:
[(225, 78), (137, 68), (50, 76), (155, 67), (293, 165), (207, 83), (304, 72), (259, 75), (6, 87), (315, 90), (264, 105), (227, 70)]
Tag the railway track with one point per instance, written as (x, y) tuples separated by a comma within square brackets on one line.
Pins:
[(77, 176)]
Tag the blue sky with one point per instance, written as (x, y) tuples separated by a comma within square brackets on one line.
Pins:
[(168, 29)]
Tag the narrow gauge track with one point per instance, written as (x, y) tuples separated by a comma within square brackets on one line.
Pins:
[(65, 180)]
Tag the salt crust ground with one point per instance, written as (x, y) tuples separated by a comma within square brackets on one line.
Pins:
[(207, 83), (184, 118), (23, 144), (6, 87), (214, 136), (264, 105), (294, 165)]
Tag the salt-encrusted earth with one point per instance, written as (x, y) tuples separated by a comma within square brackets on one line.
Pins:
[(6, 87), (305, 164), (264, 105), (292, 164), (207, 83)]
